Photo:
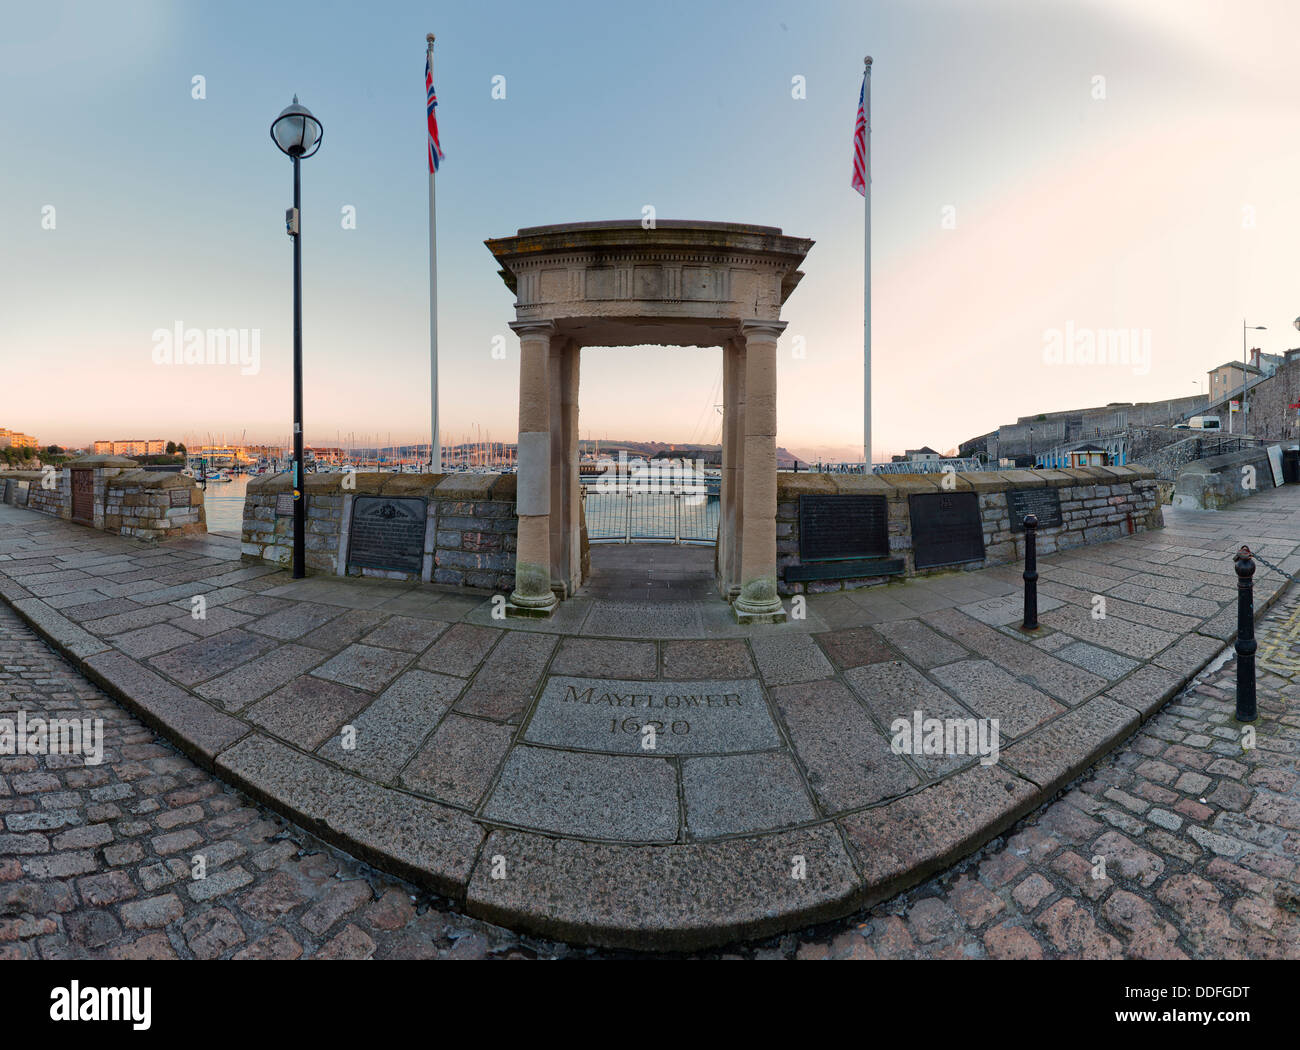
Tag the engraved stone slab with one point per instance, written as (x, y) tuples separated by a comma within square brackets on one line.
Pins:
[(387, 533), (284, 504), (178, 497), (1044, 504), (688, 718)]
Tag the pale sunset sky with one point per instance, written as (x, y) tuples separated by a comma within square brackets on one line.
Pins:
[(1108, 165)]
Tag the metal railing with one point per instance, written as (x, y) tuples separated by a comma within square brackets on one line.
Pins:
[(665, 517)]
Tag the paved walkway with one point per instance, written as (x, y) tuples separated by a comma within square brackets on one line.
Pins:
[(97, 862), (469, 764)]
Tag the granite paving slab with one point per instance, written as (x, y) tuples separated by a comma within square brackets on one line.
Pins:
[(345, 628), (236, 689), (606, 658), (388, 732), (433, 845), (199, 728), (364, 667), (920, 645), (1100, 661), (686, 896), (307, 711), (896, 691), (991, 692), (742, 794), (59, 629), (1056, 753), (459, 761), (711, 658), (925, 831), (295, 621), (788, 658), (846, 756), (461, 649), (149, 641), (508, 679), (1021, 658), (411, 634), (209, 657), (609, 797)]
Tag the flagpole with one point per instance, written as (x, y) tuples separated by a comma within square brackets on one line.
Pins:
[(435, 446), (866, 283)]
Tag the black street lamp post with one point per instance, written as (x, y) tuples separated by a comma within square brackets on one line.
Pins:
[(298, 134)]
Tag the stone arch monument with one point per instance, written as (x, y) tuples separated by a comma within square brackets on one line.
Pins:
[(620, 284)]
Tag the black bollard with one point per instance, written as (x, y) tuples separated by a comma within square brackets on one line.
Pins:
[(1031, 574), (1244, 562)]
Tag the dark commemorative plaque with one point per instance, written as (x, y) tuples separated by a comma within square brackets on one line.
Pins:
[(179, 497), (1044, 504), (284, 504), (842, 527), (387, 533), (946, 528)]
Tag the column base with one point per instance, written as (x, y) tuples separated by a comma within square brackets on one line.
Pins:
[(758, 603), (525, 606)]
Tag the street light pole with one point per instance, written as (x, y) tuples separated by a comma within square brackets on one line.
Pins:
[(298, 135), (299, 482), (1245, 376)]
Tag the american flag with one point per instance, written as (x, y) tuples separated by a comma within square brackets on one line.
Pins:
[(431, 101), (860, 131)]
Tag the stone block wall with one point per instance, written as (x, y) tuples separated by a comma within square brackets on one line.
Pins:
[(24, 490), (470, 534), (1209, 484), (1097, 504), (127, 500), (147, 505)]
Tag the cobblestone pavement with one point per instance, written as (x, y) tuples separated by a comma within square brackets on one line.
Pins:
[(1200, 841)]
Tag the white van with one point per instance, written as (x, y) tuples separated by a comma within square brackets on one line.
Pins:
[(1205, 423)]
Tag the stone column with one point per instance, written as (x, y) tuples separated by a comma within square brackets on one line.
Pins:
[(730, 518), (759, 601), (573, 487), (566, 544), (532, 595)]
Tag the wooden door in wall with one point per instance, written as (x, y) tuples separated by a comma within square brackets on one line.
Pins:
[(83, 496)]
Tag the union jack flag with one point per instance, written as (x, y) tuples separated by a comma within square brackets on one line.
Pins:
[(431, 101), (860, 132)]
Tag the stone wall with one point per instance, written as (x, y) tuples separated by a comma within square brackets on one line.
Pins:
[(1209, 484), (470, 532), (1097, 504), (128, 500), (1271, 415), (147, 505)]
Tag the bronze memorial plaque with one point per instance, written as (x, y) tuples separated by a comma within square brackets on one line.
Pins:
[(946, 528), (179, 497), (284, 504), (387, 533), (832, 528), (1044, 504)]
